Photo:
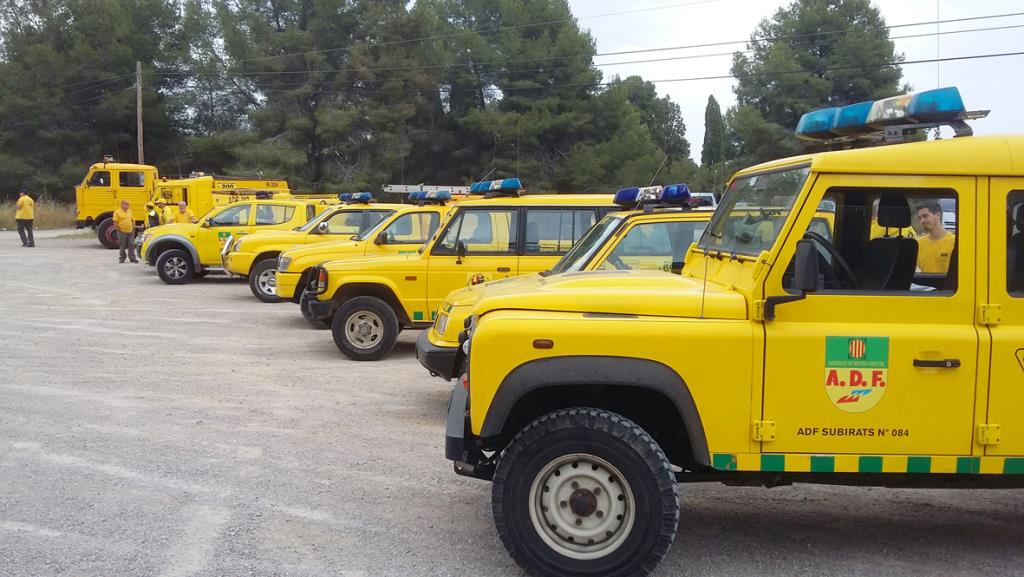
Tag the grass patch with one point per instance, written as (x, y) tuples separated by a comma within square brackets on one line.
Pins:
[(49, 214)]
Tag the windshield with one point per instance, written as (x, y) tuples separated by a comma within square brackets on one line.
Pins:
[(313, 221), (751, 215), (585, 247), (373, 229)]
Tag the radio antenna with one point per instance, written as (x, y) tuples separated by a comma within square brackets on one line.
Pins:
[(658, 172)]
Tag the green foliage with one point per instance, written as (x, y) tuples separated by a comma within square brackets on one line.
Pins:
[(713, 151), (826, 53)]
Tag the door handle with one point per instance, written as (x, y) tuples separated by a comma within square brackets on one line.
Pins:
[(940, 364), (504, 269)]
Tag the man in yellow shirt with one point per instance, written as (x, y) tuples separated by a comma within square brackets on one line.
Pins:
[(184, 213), (124, 221), (24, 216), (166, 212), (935, 246)]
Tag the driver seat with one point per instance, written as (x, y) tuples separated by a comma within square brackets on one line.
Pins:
[(1015, 253), (889, 262)]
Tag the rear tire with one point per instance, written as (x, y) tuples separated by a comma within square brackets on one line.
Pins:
[(585, 492), (263, 282), (175, 266), (365, 328), (106, 232)]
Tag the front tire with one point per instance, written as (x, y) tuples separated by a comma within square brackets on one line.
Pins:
[(175, 266), (106, 232), (263, 280), (585, 492), (365, 328)]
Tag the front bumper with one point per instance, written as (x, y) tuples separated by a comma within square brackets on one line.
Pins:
[(438, 360), (239, 263), (287, 285), (315, 309), (459, 445)]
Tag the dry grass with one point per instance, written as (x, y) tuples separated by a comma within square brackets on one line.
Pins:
[(49, 215)]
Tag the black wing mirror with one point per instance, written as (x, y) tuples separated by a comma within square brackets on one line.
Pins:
[(805, 278), (460, 252)]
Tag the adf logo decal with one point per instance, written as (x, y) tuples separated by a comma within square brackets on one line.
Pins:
[(856, 371)]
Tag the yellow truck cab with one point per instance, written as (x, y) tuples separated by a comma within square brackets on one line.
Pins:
[(369, 300), (777, 356), (403, 231), (255, 255), (102, 190), (184, 251), (652, 232)]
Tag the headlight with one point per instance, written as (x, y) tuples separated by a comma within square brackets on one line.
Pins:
[(283, 262), (237, 245), (147, 236), (441, 324)]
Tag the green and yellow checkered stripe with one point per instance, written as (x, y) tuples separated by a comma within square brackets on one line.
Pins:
[(868, 464)]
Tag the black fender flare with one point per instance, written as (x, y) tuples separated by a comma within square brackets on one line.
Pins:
[(589, 370)]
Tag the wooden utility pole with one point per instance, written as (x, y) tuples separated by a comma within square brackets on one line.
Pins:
[(138, 108)]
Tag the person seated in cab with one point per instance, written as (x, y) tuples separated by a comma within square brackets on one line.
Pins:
[(935, 246)]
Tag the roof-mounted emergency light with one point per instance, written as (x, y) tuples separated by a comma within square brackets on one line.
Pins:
[(360, 198), (674, 194), (503, 187), (432, 197)]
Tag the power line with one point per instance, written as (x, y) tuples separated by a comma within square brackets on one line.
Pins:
[(493, 30), (626, 52)]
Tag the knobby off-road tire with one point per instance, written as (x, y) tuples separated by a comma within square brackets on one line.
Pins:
[(175, 266), (262, 281), (107, 233), (365, 328), (585, 492)]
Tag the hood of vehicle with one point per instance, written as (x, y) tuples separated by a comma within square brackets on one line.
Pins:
[(185, 229), (323, 251), (379, 263), (642, 293), (265, 237), (471, 294)]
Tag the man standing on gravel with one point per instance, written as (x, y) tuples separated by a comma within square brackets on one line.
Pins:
[(24, 215), (125, 224)]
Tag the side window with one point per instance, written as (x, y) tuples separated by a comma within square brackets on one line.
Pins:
[(554, 231), (654, 246), (1015, 243), (412, 228), (481, 231), (346, 222), (373, 218), (100, 178), (237, 215), (131, 179), (268, 214), (886, 240)]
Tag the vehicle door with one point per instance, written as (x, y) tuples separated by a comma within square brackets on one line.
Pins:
[(477, 245), (405, 234), (549, 233), (132, 186), (881, 359), (220, 225), (1006, 291), (99, 192)]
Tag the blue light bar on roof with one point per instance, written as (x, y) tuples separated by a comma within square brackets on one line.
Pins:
[(635, 196), (345, 196), (361, 197), (503, 185), (852, 119), (936, 105), (817, 124), (433, 197)]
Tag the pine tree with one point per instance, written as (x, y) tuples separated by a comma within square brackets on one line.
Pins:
[(713, 151)]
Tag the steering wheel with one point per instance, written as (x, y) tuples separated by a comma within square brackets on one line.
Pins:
[(837, 259)]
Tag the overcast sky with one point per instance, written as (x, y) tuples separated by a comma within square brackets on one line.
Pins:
[(994, 83)]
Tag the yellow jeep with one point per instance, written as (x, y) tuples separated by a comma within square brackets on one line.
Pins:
[(403, 231), (184, 251), (254, 256), (778, 355), (652, 232), (369, 300)]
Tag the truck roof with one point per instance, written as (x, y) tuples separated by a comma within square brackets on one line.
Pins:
[(121, 166), (967, 155)]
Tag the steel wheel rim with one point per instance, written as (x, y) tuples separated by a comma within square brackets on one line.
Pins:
[(364, 329), (581, 506), (267, 282), (175, 268)]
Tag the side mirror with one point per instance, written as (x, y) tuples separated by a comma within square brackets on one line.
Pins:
[(805, 278), (381, 238), (322, 228), (805, 267), (205, 223), (460, 251)]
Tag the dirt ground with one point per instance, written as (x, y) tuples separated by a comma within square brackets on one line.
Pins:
[(154, 430)]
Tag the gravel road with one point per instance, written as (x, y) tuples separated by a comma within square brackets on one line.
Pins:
[(151, 430)]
